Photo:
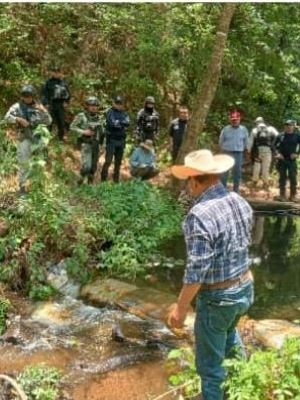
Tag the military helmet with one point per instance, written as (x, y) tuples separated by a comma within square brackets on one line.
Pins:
[(92, 101), (28, 90), (150, 99)]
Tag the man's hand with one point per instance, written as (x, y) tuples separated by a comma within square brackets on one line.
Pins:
[(22, 121), (176, 316), (294, 156), (40, 107), (279, 157), (88, 132)]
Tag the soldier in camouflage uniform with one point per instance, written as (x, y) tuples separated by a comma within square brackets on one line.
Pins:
[(87, 125), (27, 115)]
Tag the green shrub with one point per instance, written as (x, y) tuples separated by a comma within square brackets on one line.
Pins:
[(4, 308), (267, 375), (183, 361), (40, 382), (41, 292)]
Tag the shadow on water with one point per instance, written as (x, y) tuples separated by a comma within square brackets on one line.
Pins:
[(275, 255)]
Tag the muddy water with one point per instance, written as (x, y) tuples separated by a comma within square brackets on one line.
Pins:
[(90, 346), (144, 381)]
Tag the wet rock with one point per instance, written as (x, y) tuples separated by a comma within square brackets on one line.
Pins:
[(12, 334), (143, 302), (57, 277), (104, 292), (4, 227), (115, 362), (273, 332), (51, 313)]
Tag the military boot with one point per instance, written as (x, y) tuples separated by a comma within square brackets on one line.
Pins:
[(281, 196), (293, 197)]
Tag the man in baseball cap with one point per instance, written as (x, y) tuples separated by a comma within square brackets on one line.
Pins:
[(287, 148)]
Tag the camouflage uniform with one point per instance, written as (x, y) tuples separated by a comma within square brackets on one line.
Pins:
[(90, 145), (26, 135)]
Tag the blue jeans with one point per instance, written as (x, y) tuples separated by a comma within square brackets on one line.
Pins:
[(218, 312), (236, 170)]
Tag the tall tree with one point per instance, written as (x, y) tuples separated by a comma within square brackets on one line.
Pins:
[(207, 89)]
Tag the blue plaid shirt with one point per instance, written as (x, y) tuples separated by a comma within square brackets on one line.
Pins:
[(217, 232)]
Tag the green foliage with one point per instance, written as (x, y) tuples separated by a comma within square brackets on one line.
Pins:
[(7, 156), (40, 382), (159, 49), (106, 227), (186, 375), (4, 308), (136, 217), (41, 292), (268, 374)]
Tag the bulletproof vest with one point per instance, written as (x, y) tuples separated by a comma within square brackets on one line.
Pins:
[(149, 121), (31, 114), (263, 138), (60, 92), (94, 124)]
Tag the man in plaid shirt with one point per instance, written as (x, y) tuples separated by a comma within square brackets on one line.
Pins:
[(217, 231)]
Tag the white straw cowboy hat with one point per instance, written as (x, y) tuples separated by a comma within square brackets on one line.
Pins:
[(202, 162)]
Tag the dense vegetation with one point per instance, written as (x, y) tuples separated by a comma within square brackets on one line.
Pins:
[(4, 308), (159, 49), (268, 374), (109, 228)]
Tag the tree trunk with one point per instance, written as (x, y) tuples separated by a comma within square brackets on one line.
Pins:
[(206, 93)]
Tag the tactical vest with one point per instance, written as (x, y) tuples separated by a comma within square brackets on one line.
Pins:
[(60, 92), (149, 122), (92, 122), (263, 138)]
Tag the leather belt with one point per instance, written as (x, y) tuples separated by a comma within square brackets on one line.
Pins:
[(229, 283)]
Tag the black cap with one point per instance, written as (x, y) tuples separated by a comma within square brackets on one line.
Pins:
[(119, 100), (28, 90)]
